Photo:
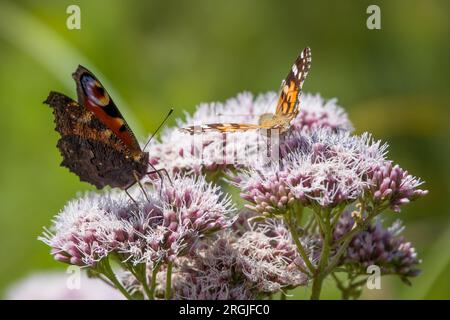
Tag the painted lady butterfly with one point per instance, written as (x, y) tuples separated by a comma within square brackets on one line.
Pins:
[(287, 106)]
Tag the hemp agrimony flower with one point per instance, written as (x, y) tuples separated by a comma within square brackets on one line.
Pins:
[(305, 215), (321, 168), (211, 152), (259, 262), (90, 228), (268, 257), (378, 246), (393, 185)]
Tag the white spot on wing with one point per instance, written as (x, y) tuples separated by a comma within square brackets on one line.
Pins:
[(294, 69)]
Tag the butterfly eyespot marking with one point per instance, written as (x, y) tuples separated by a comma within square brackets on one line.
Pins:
[(94, 91), (92, 143)]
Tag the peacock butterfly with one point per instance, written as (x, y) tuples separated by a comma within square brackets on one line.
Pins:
[(96, 142)]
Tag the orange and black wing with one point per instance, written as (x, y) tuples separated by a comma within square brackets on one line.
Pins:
[(287, 105), (291, 87), (94, 97), (221, 127), (90, 149)]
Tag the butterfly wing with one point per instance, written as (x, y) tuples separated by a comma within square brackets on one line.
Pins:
[(287, 106), (94, 97), (291, 87), (90, 149), (221, 127)]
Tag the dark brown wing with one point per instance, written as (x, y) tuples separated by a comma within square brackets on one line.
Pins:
[(90, 149), (291, 87)]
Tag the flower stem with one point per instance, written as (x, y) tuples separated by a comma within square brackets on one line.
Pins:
[(310, 224), (351, 290), (168, 280), (151, 293), (295, 236), (317, 215), (345, 240), (109, 273), (323, 262), (337, 216), (337, 257), (140, 273), (317, 287), (147, 290), (298, 214), (340, 285), (326, 267)]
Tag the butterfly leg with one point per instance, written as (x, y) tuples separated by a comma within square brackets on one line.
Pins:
[(138, 181), (129, 195), (158, 172)]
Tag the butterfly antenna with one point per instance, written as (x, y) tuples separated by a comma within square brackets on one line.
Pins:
[(157, 129)]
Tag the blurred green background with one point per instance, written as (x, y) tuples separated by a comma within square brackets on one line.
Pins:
[(152, 55)]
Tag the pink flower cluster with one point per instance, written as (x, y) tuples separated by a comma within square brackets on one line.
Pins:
[(88, 229)]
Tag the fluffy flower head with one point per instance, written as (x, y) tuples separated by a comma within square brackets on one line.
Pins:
[(93, 226)]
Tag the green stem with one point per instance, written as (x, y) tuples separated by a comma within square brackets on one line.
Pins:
[(309, 224), (303, 270), (140, 273), (337, 257), (359, 283), (320, 272), (339, 283), (147, 290), (345, 240), (350, 291), (319, 221), (298, 214), (141, 276), (337, 216), (317, 287), (295, 236), (101, 276), (109, 273), (326, 267), (168, 281), (357, 226), (151, 293), (345, 292)]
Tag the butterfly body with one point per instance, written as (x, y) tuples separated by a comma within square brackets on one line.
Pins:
[(287, 105), (96, 143), (270, 120)]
